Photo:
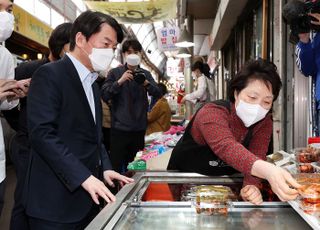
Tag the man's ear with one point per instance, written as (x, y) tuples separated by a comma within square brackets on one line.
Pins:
[(80, 40)]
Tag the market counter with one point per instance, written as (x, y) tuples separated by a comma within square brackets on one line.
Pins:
[(153, 202)]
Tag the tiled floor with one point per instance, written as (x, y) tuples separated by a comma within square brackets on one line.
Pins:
[(10, 186)]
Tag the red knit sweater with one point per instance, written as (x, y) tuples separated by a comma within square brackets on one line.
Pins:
[(223, 132)]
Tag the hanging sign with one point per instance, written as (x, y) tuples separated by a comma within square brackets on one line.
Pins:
[(137, 12), (167, 37)]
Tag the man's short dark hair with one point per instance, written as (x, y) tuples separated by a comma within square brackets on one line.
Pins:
[(131, 43), (58, 38), (89, 23), (260, 69)]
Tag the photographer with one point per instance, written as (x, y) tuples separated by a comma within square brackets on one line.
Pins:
[(127, 86), (308, 61)]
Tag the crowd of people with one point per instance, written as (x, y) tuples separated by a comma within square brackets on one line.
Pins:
[(79, 122)]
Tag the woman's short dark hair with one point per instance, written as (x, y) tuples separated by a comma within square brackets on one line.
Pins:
[(131, 43), (58, 38), (263, 70), (203, 67), (163, 89), (89, 23)]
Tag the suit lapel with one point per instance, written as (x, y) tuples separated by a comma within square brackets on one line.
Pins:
[(77, 85)]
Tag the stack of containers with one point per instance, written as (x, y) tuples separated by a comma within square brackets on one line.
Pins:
[(210, 199), (309, 198), (305, 157)]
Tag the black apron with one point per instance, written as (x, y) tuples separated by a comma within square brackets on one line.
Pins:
[(188, 156)]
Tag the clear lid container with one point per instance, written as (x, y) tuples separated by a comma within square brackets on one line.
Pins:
[(212, 199), (307, 155), (311, 192), (310, 208), (307, 178), (305, 168)]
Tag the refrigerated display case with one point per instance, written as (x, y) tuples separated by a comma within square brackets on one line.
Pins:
[(154, 201)]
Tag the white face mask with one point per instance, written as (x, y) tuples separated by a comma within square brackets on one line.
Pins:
[(133, 59), (101, 58), (250, 113), (6, 25)]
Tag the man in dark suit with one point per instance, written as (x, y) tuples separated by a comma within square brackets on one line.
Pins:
[(68, 158), (17, 118)]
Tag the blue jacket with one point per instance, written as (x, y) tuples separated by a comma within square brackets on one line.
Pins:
[(308, 60)]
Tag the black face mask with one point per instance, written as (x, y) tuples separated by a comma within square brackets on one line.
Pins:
[(139, 76)]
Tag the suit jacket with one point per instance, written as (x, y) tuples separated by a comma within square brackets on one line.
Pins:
[(66, 144)]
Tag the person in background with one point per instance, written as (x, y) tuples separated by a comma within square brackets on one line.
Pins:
[(127, 87), (17, 118), (160, 115), (20, 90), (226, 137), (69, 164), (198, 97), (308, 57)]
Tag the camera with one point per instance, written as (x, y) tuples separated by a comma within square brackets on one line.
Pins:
[(139, 76), (295, 13)]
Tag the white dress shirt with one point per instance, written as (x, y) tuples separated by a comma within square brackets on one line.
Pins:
[(6, 72), (87, 79), (200, 94)]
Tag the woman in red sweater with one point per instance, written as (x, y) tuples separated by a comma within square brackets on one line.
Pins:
[(225, 137)]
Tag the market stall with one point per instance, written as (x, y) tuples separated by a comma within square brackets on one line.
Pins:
[(155, 201)]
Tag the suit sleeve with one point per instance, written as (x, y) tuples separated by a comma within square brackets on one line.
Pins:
[(106, 163), (43, 112)]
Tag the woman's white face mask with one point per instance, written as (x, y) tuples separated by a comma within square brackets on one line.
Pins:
[(250, 113), (6, 25), (253, 102)]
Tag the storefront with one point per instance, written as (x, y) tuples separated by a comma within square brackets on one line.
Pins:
[(29, 40)]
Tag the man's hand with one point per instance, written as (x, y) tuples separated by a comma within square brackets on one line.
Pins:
[(126, 76), (317, 17), (252, 194), (110, 175), (96, 189)]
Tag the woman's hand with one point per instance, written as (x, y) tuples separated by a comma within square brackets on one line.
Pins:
[(252, 194), (279, 179)]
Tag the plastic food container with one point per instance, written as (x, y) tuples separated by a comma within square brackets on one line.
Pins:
[(310, 208), (316, 166), (310, 192), (305, 168), (307, 155), (307, 178), (212, 199)]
